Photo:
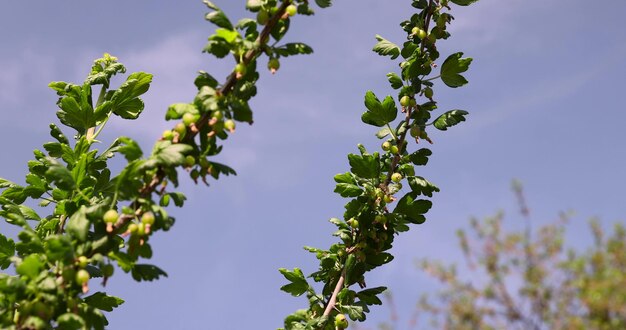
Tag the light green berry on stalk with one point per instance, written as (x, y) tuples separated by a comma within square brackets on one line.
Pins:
[(110, 216), (341, 322), (386, 146), (181, 129), (405, 101), (189, 118), (229, 125), (396, 177), (82, 277), (168, 135), (82, 261), (148, 218), (190, 160), (218, 115), (291, 10)]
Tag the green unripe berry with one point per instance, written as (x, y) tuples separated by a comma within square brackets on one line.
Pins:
[(107, 270), (262, 17), (82, 261), (273, 64), (147, 218), (218, 115), (110, 216), (291, 10), (241, 69), (190, 160), (428, 92), (388, 199), (341, 322), (181, 129), (386, 146), (82, 277), (415, 131), (412, 103), (141, 229), (396, 177), (229, 125), (168, 135), (405, 101), (133, 228), (423, 135), (380, 219), (188, 119), (418, 33), (354, 223), (394, 149)]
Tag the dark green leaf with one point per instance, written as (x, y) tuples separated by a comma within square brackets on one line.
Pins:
[(219, 18), (420, 157), (422, 186), (298, 284), (449, 119), (324, 3), (59, 248), (348, 190), (294, 48), (205, 79), (365, 166), (73, 115), (413, 208), (78, 225), (56, 133), (126, 101), (369, 296), (451, 67), (61, 176), (379, 114), (30, 267), (144, 272), (386, 48), (101, 301), (7, 250), (463, 2), (168, 154), (394, 80), (355, 312)]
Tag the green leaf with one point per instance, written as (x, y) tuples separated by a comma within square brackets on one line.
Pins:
[(177, 110), (70, 321), (101, 301), (345, 178), (294, 48), (451, 67), (60, 175), (73, 115), (348, 190), (298, 284), (30, 267), (422, 186), (324, 3), (386, 48), (7, 250), (383, 132), (78, 225), (59, 248), (4, 183), (254, 5), (420, 157), (449, 119), (129, 148), (126, 101), (56, 133), (144, 272), (463, 2), (369, 296), (379, 114), (366, 166), (412, 208), (355, 312), (394, 80), (228, 35), (219, 18), (168, 154)]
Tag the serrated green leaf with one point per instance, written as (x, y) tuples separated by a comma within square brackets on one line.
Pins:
[(414, 209), (7, 250), (78, 225), (59, 248), (61, 176), (348, 190), (365, 166), (145, 272), (30, 267), (205, 79), (73, 115), (379, 114), (129, 148), (421, 186), (294, 48), (324, 3), (298, 284), (385, 47), (168, 154), (345, 178), (449, 119), (228, 35), (101, 300), (394, 80), (56, 133), (369, 296), (451, 69), (254, 5), (420, 157), (220, 19), (126, 101), (355, 312), (463, 2)]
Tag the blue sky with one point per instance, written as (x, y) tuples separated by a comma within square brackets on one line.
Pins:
[(545, 103)]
